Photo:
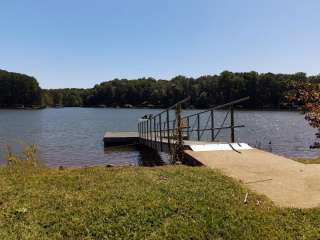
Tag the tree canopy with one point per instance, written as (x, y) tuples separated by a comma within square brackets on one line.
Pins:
[(266, 90), (18, 89)]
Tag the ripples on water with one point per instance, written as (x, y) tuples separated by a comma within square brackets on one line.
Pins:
[(73, 136)]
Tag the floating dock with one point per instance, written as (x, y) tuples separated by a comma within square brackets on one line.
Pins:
[(120, 138)]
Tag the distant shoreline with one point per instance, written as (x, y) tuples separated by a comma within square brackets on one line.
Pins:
[(154, 108)]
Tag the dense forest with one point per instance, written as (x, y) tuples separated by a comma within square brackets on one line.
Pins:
[(266, 90), (17, 89)]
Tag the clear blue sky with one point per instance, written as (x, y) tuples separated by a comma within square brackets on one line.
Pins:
[(77, 43)]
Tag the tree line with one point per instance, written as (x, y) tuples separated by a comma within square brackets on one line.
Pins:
[(266, 90), (18, 89)]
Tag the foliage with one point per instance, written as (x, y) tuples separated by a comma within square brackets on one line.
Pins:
[(29, 157), (266, 90), (68, 97), (308, 96), (174, 202), (310, 161), (18, 89)]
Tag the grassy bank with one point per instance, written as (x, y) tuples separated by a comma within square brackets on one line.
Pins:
[(310, 161), (174, 202)]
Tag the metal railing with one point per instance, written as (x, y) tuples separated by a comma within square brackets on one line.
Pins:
[(155, 129), (210, 123), (160, 129)]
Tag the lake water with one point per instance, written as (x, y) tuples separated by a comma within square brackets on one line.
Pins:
[(73, 136)]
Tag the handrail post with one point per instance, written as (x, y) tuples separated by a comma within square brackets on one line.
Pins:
[(198, 129), (174, 127), (145, 131), (168, 132), (142, 131), (148, 131), (155, 133), (212, 126), (178, 152), (139, 130), (232, 124), (160, 129), (150, 127), (188, 125)]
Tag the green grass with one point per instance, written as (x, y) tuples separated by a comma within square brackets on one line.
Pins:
[(310, 161), (173, 202)]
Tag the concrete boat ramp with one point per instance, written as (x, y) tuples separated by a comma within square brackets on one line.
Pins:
[(286, 182)]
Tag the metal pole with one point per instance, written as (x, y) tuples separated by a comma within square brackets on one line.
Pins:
[(142, 131), (168, 132), (212, 126), (155, 133), (178, 153), (150, 132), (198, 129), (188, 126), (232, 123), (145, 131), (173, 127), (160, 126), (147, 123)]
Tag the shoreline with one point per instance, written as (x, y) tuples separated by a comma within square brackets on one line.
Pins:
[(152, 108)]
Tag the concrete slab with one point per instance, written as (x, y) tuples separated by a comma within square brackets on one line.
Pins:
[(286, 182)]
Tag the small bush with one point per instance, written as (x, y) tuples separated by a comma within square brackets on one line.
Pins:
[(29, 157)]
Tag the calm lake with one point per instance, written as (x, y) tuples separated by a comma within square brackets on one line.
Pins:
[(73, 136)]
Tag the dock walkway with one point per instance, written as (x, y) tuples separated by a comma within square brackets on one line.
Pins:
[(286, 182)]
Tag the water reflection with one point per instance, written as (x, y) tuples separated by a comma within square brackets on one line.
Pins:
[(144, 156)]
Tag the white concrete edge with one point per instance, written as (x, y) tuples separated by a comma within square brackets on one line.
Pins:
[(220, 147)]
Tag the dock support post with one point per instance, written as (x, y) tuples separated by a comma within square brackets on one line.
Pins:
[(155, 133), (232, 124), (144, 131), (160, 131), (147, 123), (174, 130), (150, 132), (168, 132), (188, 126), (212, 126), (178, 146), (198, 128), (139, 130)]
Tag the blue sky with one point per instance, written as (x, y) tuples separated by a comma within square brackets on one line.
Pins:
[(77, 43)]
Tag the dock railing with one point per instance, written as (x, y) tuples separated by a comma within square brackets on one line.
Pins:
[(155, 129), (161, 129), (210, 125)]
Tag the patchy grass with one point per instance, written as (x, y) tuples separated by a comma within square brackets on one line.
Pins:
[(173, 202), (310, 161)]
